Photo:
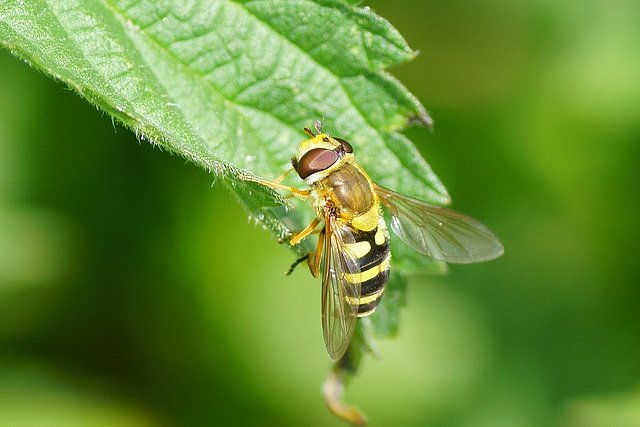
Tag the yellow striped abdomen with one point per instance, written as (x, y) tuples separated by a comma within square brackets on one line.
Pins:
[(372, 249), (348, 190)]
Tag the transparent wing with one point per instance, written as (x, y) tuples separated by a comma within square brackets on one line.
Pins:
[(339, 316), (438, 232)]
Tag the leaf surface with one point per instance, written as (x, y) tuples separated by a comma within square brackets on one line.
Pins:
[(230, 85)]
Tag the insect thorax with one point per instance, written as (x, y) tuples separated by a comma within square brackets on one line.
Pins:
[(347, 190)]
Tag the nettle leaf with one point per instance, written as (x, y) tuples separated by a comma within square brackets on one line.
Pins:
[(230, 85)]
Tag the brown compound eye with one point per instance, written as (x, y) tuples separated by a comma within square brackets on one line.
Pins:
[(345, 145), (315, 160)]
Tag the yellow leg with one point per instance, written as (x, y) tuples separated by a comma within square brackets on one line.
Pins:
[(314, 265), (304, 233), (281, 177), (313, 259), (275, 184)]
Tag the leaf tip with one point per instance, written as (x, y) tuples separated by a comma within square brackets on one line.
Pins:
[(421, 116)]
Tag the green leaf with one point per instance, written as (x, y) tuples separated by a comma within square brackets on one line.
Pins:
[(386, 319), (229, 85)]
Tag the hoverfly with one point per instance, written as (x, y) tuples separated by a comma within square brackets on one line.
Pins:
[(354, 241)]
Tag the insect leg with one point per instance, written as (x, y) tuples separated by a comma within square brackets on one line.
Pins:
[(275, 184), (298, 261), (304, 233), (312, 258), (314, 265), (281, 177)]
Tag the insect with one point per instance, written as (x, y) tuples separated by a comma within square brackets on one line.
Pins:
[(353, 239)]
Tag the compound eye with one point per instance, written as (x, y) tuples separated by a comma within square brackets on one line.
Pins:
[(345, 145), (316, 160)]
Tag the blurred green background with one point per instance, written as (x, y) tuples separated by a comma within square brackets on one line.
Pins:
[(134, 293)]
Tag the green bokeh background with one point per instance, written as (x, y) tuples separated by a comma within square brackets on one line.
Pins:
[(134, 293)]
